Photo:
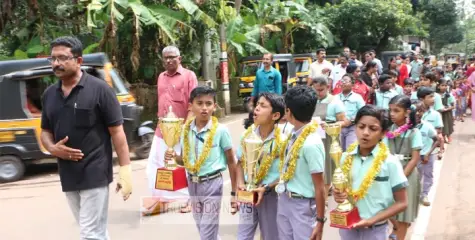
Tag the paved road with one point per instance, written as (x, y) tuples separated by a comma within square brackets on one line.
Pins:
[(35, 208)]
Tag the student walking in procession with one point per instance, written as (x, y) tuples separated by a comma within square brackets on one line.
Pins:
[(430, 142), (207, 152), (301, 204), (268, 112), (81, 114), (405, 142), (378, 182), (426, 95)]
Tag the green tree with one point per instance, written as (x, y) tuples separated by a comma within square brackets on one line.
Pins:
[(362, 24), (443, 20)]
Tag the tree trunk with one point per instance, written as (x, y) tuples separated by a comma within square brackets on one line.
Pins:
[(383, 42), (135, 56), (237, 5)]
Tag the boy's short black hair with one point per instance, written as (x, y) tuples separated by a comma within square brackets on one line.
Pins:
[(430, 76), (201, 91), (70, 42), (376, 112), (301, 101), (277, 103), (422, 92), (383, 78), (408, 81)]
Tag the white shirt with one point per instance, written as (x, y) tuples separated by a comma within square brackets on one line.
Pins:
[(337, 74), (316, 68)]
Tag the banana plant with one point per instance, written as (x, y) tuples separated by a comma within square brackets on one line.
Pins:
[(110, 13)]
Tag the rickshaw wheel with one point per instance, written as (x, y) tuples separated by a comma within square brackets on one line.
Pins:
[(144, 149), (11, 168)]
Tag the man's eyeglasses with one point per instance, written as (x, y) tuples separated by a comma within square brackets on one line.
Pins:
[(60, 59), (169, 57)]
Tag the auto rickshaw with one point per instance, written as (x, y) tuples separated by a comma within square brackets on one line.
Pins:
[(22, 83), (452, 58), (302, 65), (249, 66)]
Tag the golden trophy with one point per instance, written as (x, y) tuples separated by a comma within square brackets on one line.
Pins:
[(345, 214), (171, 177), (252, 151)]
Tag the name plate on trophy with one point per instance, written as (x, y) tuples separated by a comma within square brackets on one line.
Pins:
[(171, 180)]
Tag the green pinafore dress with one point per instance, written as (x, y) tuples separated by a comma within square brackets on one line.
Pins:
[(402, 148)]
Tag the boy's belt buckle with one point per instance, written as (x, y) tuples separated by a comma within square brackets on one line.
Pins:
[(195, 179)]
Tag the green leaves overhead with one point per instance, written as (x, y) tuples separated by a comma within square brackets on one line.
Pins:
[(114, 10)]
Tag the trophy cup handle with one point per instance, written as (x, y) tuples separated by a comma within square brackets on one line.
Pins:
[(171, 165)]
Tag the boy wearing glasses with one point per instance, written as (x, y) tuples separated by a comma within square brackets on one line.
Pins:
[(353, 103)]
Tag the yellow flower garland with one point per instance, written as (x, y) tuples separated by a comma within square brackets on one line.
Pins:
[(267, 162), (370, 176), (208, 144), (294, 152)]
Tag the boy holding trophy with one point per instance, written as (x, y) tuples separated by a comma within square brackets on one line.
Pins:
[(207, 151), (377, 184), (301, 205), (262, 173)]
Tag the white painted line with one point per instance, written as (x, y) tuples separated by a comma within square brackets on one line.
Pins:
[(423, 216)]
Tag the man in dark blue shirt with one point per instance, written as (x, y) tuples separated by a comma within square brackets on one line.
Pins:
[(268, 79)]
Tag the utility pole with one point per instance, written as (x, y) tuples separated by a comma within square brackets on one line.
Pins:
[(223, 61)]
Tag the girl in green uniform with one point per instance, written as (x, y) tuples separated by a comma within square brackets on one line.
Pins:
[(405, 142)]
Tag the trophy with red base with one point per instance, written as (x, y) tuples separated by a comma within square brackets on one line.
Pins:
[(252, 152), (171, 177), (345, 214)]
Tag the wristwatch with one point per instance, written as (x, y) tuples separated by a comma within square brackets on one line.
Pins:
[(233, 194), (267, 188), (321, 220)]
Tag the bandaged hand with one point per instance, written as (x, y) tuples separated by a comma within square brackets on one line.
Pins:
[(124, 184)]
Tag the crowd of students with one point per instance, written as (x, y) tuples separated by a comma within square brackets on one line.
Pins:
[(391, 136)]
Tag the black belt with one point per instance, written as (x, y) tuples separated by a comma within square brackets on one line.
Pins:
[(297, 196), (207, 177), (379, 224)]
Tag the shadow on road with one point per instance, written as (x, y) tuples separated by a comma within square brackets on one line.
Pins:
[(35, 170)]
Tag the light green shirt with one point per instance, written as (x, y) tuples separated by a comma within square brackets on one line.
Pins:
[(434, 118), (428, 132), (222, 142), (414, 96), (438, 102), (383, 98), (399, 89), (310, 161), (353, 103), (390, 178), (333, 108), (269, 145)]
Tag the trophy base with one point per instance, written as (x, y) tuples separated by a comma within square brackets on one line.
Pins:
[(246, 197), (344, 220), (171, 179)]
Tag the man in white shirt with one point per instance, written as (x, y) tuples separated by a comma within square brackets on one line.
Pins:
[(320, 67), (339, 70)]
